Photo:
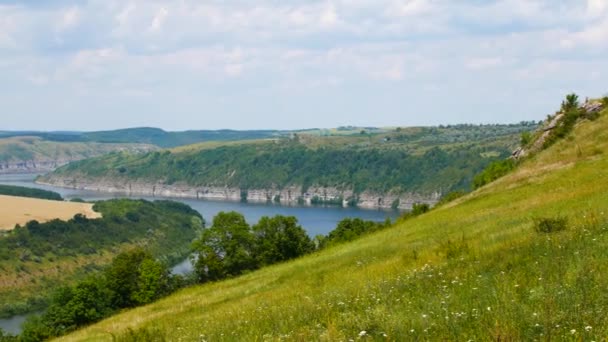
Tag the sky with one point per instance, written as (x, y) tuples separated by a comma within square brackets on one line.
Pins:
[(289, 64)]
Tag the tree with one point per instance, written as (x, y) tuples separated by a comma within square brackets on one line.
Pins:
[(571, 103), (225, 249), (279, 239), (135, 278)]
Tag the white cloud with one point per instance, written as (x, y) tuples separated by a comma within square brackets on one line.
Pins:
[(159, 19), (142, 49)]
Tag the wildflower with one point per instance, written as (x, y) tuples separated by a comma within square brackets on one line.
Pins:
[(424, 315), (489, 308), (362, 333), (588, 328), (573, 331)]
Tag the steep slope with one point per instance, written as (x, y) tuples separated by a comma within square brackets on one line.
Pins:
[(474, 269)]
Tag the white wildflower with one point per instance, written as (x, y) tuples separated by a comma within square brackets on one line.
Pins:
[(362, 333)]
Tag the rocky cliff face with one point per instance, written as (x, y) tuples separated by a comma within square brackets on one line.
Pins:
[(290, 195), (31, 166)]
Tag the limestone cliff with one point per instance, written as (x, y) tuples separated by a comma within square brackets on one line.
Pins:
[(293, 195)]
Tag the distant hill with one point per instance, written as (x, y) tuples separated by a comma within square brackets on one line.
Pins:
[(37, 154), (386, 169)]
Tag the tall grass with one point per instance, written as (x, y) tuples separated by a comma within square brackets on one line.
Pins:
[(475, 269)]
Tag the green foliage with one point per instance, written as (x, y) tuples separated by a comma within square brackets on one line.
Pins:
[(350, 229), (571, 113), (225, 249), (6, 337), (571, 103), (449, 197), (279, 239), (417, 210), (421, 159), (167, 228), (605, 101), (134, 278), (337, 201), (550, 225), (21, 191), (493, 171), (526, 138)]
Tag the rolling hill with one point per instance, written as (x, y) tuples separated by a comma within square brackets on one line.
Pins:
[(392, 169), (523, 258), (36, 154)]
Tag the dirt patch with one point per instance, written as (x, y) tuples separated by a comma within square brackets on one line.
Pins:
[(20, 210)]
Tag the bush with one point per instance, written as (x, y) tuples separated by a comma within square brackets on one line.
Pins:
[(526, 138), (494, 171), (550, 225), (449, 197)]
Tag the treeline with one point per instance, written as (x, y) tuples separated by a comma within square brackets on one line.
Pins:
[(166, 228), (231, 246), (12, 190), (279, 165)]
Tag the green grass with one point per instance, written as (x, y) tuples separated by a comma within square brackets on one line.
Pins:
[(475, 269)]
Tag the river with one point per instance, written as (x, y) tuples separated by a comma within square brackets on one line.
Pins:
[(316, 220)]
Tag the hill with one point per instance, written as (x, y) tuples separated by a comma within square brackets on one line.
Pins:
[(145, 135), (523, 258), (391, 169), (37, 257), (37, 154)]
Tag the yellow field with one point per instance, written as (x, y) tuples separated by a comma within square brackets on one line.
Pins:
[(20, 210)]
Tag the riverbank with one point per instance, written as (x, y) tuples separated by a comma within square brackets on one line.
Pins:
[(293, 195)]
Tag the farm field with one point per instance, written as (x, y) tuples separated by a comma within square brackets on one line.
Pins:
[(20, 210)]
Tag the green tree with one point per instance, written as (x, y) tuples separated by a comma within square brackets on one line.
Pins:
[(571, 103), (280, 238), (226, 249), (135, 278), (350, 229)]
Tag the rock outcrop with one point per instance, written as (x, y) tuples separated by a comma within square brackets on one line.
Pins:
[(588, 108), (293, 195)]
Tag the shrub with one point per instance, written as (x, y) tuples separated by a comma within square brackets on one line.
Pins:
[(494, 171), (550, 225), (525, 139)]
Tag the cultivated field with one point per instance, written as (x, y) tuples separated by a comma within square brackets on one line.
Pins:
[(20, 210)]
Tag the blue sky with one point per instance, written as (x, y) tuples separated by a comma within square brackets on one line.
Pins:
[(191, 64)]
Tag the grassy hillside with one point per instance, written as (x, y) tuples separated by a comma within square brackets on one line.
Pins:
[(421, 159), (31, 148), (474, 269)]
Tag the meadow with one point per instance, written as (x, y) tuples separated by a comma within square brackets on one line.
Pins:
[(477, 268)]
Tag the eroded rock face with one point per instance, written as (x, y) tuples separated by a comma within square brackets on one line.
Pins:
[(293, 195), (31, 166)]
